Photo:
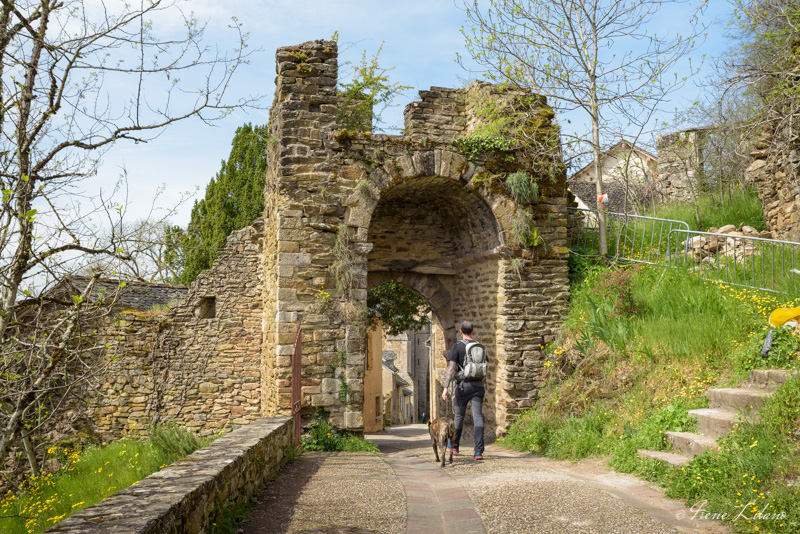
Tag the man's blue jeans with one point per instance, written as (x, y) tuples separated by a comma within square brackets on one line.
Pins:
[(464, 392)]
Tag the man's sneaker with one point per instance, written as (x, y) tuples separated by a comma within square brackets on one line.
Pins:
[(478, 456)]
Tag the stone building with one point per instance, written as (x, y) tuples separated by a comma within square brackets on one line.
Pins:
[(410, 356), (347, 211)]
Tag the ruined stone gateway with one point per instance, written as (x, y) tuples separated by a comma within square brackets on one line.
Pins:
[(410, 208)]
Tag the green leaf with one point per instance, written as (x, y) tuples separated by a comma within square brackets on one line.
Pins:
[(234, 199)]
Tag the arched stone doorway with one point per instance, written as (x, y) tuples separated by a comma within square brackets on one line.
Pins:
[(409, 208), (441, 239)]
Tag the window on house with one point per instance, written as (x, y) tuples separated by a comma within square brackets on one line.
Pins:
[(206, 308)]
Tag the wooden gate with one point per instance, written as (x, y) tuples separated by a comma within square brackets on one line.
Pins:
[(297, 355)]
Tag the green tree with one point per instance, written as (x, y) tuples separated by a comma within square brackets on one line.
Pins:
[(234, 198), (397, 307)]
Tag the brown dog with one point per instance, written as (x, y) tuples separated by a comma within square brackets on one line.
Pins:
[(442, 430)]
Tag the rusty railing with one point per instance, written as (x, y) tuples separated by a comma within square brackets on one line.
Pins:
[(297, 355)]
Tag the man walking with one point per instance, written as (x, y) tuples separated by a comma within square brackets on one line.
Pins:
[(466, 389)]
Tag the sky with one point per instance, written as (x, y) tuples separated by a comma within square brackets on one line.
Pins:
[(420, 39)]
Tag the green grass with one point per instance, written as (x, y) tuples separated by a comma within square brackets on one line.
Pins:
[(743, 206), (89, 476), (641, 345)]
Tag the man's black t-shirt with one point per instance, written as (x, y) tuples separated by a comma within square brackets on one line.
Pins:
[(458, 354)]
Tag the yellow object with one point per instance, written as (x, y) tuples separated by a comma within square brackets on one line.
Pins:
[(781, 315)]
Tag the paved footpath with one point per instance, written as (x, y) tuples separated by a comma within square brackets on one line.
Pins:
[(402, 490)]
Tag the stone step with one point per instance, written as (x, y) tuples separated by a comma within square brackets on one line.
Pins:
[(669, 457), (770, 378), (743, 400), (714, 423), (691, 444)]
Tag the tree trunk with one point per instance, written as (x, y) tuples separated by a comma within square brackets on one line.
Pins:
[(601, 216)]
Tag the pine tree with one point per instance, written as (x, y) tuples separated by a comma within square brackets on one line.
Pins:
[(234, 198)]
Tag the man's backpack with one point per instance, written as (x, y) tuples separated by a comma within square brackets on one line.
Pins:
[(476, 362)]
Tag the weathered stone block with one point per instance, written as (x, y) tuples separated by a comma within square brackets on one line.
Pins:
[(286, 258)]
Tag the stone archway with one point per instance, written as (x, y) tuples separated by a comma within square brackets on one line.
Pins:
[(410, 208)]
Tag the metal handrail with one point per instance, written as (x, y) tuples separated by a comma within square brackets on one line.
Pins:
[(659, 226), (749, 261), (761, 247)]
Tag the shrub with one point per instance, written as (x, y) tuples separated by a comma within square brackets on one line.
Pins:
[(322, 436), (529, 434), (579, 437), (175, 441), (523, 230), (522, 187)]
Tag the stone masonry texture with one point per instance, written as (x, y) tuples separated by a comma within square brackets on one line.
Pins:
[(184, 365), (680, 160), (774, 170), (410, 208)]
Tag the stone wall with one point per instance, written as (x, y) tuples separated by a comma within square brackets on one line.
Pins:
[(775, 174), (438, 116), (190, 495), (195, 363)]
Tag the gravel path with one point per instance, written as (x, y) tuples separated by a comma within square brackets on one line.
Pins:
[(336, 492), (403, 490), (522, 493)]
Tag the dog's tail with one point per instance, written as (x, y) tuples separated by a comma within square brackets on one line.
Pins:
[(429, 423)]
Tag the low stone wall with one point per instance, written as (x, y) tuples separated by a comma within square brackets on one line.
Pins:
[(188, 496)]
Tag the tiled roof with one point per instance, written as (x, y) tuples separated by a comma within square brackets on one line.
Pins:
[(134, 295), (587, 192)]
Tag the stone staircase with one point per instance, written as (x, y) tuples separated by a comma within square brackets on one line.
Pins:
[(726, 408)]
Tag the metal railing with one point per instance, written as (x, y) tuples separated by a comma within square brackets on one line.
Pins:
[(738, 260), (635, 238), (297, 403)]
